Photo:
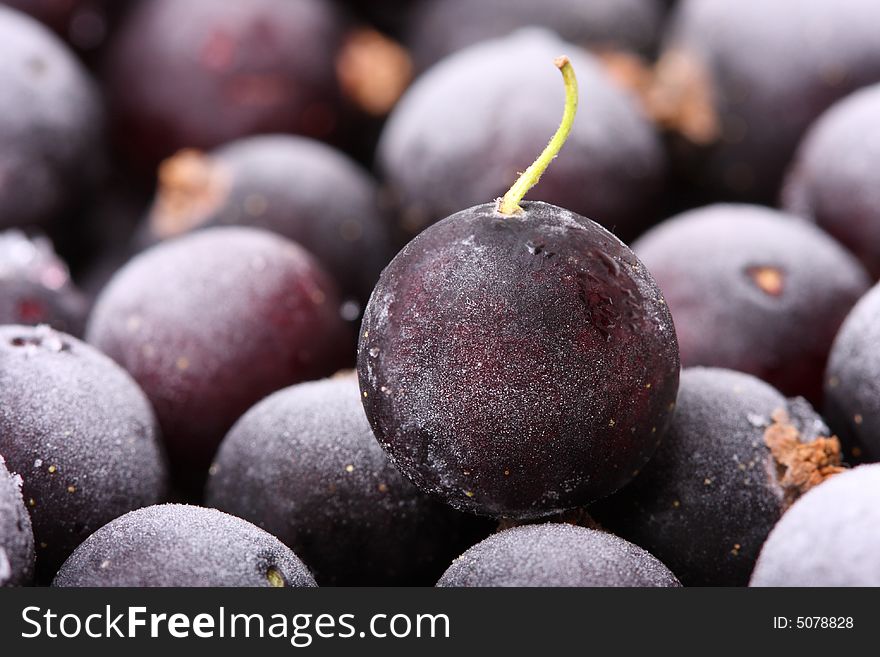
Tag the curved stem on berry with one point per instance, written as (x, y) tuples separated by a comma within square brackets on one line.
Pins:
[(530, 177)]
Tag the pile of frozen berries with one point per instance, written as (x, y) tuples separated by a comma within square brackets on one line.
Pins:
[(660, 368)]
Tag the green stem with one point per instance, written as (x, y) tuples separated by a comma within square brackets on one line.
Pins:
[(530, 177)]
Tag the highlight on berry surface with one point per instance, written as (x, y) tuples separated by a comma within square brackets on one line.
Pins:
[(530, 177)]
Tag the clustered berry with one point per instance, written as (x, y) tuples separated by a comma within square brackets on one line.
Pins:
[(287, 298)]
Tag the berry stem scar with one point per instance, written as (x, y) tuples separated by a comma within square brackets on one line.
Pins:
[(530, 177)]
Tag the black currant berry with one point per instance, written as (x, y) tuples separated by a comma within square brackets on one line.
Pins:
[(211, 322), (201, 73), (736, 455), (556, 554), (35, 285), (852, 381), (440, 27), (335, 499), (754, 290), (830, 537), (447, 145), (84, 24), (834, 180), (50, 128), (16, 534), (81, 435), (174, 545), (742, 81), (518, 361), (293, 186)]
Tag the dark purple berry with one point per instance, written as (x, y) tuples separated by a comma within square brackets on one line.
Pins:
[(80, 434), (201, 73), (209, 323), (556, 555), (754, 290), (50, 127), (830, 537), (16, 534), (835, 180), (736, 455), (742, 81), (517, 365), (82, 23), (440, 27), (35, 286), (296, 187), (174, 545), (335, 499), (462, 132), (852, 381)]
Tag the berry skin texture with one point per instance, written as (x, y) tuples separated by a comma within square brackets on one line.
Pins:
[(556, 555), (517, 365), (294, 186), (712, 492), (175, 545), (754, 290), (51, 125), (81, 435), (612, 167), (35, 286), (835, 180), (83, 23), (852, 387), (441, 27), (16, 534), (201, 73), (764, 71), (213, 321), (830, 537), (335, 498)]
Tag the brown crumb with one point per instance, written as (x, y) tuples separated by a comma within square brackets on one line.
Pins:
[(770, 280), (680, 98), (628, 70), (373, 71), (191, 187), (800, 465)]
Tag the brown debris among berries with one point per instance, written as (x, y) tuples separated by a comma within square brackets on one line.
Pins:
[(373, 71), (676, 92), (800, 465), (628, 70), (191, 186), (681, 98)]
